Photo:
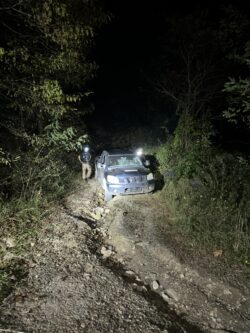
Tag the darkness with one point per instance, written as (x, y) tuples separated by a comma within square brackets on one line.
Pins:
[(125, 50), (125, 47), (133, 51)]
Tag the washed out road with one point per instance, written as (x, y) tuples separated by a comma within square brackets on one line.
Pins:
[(115, 267)]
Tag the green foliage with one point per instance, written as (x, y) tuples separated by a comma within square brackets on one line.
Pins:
[(42, 169), (1, 52), (206, 189), (209, 220), (45, 67), (238, 95), (187, 150), (63, 140), (14, 270), (20, 221), (234, 34), (4, 159), (40, 178)]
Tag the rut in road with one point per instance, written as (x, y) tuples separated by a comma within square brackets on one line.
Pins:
[(95, 244)]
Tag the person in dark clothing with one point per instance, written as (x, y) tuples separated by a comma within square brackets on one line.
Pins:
[(85, 158)]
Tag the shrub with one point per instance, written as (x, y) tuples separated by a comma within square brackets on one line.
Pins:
[(208, 190)]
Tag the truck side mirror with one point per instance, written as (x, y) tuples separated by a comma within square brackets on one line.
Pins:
[(147, 163)]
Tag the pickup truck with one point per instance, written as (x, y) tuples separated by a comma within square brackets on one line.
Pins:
[(123, 172)]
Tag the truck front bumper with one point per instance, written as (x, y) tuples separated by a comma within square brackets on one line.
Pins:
[(136, 188)]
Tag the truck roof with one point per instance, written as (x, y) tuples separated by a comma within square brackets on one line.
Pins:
[(120, 152)]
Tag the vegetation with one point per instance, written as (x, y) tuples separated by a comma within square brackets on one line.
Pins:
[(46, 66), (199, 81), (209, 192), (207, 184)]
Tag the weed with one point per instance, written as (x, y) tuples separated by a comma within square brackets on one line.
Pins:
[(20, 224), (10, 275), (208, 190)]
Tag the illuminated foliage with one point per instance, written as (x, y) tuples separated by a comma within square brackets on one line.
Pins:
[(238, 95), (45, 59), (45, 69)]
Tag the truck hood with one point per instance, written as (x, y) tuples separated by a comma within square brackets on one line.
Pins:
[(128, 171)]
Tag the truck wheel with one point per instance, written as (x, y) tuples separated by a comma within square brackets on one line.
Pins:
[(108, 195)]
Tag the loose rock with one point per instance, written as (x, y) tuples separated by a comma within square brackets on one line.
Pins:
[(130, 274), (10, 243), (88, 268), (165, 297), (106, 253), (171, 293), (154, 285)]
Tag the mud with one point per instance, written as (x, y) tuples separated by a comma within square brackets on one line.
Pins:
[(100, 267)]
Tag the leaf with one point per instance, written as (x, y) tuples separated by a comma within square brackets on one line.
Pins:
[(217, 253)]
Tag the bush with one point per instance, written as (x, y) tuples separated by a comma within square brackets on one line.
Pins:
[(208, 190), (37, 180), (188, 148)]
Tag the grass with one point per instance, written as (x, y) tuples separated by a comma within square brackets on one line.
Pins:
[(10, 275), (207, 191), (20, 223), (208, 221)]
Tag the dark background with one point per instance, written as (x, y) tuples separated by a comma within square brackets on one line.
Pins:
[(127, 46), (126, 50)]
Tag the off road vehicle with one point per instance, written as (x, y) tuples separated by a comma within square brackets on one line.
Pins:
[(123, 172)]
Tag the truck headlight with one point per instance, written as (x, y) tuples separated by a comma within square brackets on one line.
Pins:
[(139, 152), (150, 176), (113, 179)]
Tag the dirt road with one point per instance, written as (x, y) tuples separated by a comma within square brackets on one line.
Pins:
[(116, 267)]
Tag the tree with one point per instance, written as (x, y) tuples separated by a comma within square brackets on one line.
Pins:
[(235, 36), (188, 75), (238, 95), (45, 61)]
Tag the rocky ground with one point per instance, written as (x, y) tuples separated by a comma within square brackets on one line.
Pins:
[(117, 267)]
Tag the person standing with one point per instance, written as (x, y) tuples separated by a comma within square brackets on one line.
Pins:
[(85, 158)]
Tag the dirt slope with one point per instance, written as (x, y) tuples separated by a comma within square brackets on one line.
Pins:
[(215, 297), (113, 267)]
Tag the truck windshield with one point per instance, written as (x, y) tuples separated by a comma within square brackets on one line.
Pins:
[(124, 160)]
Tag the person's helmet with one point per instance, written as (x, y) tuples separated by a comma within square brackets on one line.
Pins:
[(86, 148), (139, 152)]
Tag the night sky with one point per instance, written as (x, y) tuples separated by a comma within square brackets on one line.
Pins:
[(126, 47), (125, 51)]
